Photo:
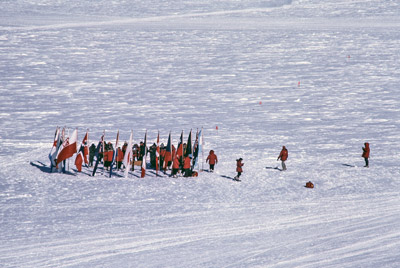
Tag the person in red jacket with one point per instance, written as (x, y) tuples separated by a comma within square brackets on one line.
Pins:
[(187, 166), (365, 153), (175, 167), (108, 156), (120, 158), (283, 156), (212, 160), (239, 169)]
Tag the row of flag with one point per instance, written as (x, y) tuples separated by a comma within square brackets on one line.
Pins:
[(65, 147)]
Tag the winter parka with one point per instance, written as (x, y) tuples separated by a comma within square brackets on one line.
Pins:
[(239, 165), (176, 163), (366, 150), (120, 155), (187, 164), (284, 154), (212, 158)]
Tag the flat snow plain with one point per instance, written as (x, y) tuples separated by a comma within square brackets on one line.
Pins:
[(320, 77)]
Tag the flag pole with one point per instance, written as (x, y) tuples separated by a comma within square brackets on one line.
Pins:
[(115, 153), (103, 149), (68, 158), (87, 145), (202, 150)]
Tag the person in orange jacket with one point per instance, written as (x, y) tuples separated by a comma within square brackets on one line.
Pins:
[(239, 169), (365, 153), (175, 167), (187, 166), (108, 155), (212, 159), (120, 158), (283, 156)]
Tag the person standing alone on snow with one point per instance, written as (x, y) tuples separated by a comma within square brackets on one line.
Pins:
[(283, 156), (239, 169), (212, 160), (365, 153)]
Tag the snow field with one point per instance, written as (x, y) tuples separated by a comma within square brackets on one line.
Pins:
[(320, 78)]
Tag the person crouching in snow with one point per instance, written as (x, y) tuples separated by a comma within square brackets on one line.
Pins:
[(212, 160), (239, 169), (365, 153), (283, 156)]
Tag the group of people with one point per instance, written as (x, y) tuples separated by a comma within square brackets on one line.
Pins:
[(284, 154), (178, 163)]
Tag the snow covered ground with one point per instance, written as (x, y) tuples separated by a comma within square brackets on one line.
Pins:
[(320, 77)]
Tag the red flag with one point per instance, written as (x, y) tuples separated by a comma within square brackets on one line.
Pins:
[(168, 152), (54, 148), (85, 149), (68, 148), (144, 157), (79, 161), (82, 154)]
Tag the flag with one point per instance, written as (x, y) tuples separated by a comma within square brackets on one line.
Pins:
[(144, 157), (158, 153), (168, 152), (127, 156), (195, 148), (79, 161), (56, 137), (103, 150), (68, 147), (82, 154), (53, 151), (188, 150), (84, 148), (115, 153), (198, 147), (179, 152)]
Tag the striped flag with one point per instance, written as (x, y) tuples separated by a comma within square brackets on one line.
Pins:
[(54, 148), (82, 154), (68, 147)]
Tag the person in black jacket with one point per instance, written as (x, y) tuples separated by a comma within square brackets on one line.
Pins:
[(92, 151)]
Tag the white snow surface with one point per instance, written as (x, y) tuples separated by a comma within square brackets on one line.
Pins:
[(320, 77)]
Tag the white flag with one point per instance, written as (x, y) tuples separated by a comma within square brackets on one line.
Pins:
[(128, 156)]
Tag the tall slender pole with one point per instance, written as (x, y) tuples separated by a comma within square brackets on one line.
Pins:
[(202, 149), (103, 150), (68, 158)]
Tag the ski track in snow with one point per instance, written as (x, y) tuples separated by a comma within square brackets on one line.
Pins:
[(321, 77)]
